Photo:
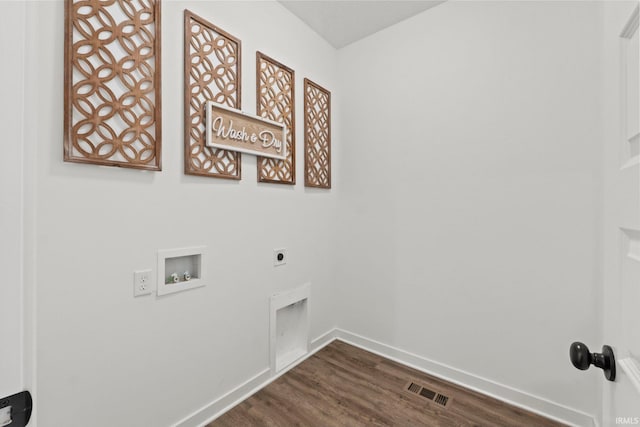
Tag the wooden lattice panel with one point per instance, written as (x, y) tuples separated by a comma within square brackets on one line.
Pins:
[(112, 102), (211, 72), (317, 135), (275, 87)]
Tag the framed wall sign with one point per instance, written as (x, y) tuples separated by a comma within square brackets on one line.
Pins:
[(112, 96), (211, 73), (235, 130)]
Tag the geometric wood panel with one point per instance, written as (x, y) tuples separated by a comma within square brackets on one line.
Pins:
[(275, 93), (112, 100), (317, 135), (212, 60)]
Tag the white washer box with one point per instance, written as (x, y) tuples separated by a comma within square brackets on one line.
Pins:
[(180, 261)]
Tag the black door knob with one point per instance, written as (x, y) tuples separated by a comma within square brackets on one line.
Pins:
[(582, 358)]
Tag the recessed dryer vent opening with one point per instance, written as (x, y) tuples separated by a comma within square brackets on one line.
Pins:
[(289, 327)]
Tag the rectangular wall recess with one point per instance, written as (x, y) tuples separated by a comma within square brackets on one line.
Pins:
[(289, 327), (180, 269)]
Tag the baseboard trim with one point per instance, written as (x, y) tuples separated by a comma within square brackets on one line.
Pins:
[(227, 401), (215, 409), (498, 391), (485, 386)]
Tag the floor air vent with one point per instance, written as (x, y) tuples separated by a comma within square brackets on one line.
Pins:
[(414, 388), (431, 395), (441, 399)]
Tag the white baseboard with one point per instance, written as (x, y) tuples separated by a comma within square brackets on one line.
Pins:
[(501, 392), (227, 401), (322, 341), (213, 410)]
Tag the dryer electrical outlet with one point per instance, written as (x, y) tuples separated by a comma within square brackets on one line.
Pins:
[(279, 257)]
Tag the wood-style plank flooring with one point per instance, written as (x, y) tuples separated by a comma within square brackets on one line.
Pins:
[(342, 385)]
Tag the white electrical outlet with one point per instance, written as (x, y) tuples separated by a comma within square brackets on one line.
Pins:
[(141, 283), (279, 257)]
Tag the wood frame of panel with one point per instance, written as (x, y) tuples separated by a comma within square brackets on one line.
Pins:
[(198, 158), (314, 165), (124, 149), (272, 170)]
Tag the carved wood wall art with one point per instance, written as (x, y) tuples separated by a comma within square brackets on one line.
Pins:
[(317, 135), (112, 101), (275, 93), (235, 130), (211, 73)]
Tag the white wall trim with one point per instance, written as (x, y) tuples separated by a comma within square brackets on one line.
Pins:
[(485, 386), (227, 401), (631, 26), (12, 295), (30, 192), (213, 410), (631, 367)]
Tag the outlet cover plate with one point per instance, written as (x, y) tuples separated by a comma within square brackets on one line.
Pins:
[(142, 283), (279, 257)]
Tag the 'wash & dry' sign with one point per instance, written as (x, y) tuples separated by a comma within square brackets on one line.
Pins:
[(235, 130)]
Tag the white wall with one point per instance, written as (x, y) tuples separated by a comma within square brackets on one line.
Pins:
[(12, 21), (470, 201), (105, 358)]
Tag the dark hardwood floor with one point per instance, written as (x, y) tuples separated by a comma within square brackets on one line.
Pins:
[(342, 385)]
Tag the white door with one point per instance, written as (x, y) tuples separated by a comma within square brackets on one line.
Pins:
[(12, 19), (621, 399)]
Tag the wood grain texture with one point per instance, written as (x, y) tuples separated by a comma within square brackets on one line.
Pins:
[(212, 72), (275, 100), (112, 83), (342, 385), (317, 135)]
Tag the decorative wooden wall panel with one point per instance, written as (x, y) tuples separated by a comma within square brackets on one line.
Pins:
[(112, 102), (317, 135), (211, 72), (275, 90)]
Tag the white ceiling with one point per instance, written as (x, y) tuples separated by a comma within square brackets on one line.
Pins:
[(341, 22)]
